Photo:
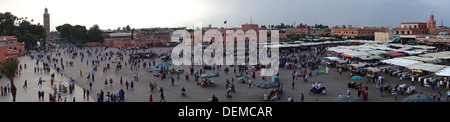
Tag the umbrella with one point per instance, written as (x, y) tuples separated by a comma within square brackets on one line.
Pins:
[(275, 77), (266, 84), (321, 72), (241, 78), (357, 77), (208, 75), (348, 99), (164, 64), (418, 98)]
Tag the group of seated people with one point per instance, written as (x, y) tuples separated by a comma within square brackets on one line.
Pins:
[(272, 95), (206, 83)]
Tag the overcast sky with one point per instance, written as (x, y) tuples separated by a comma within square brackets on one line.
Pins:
[(110, 14)]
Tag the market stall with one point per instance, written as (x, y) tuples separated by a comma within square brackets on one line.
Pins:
[(372, 72), (399, 62), (426, 67), (392, 55)]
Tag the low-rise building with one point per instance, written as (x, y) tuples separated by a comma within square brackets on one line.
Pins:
[(10, 48)]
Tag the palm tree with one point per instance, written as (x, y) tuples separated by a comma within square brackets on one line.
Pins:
[(9, 67)]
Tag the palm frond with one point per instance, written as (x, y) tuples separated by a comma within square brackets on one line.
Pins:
[(9, 67)]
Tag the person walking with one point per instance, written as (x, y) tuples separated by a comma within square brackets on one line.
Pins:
[(126, 84), (2, 89), (87, 94), (293, 84), (121, 80), (132, 84), (348, 91), (293, 77), (326, 70), (438, 97), (39, 94), (25, 84), (42, 95), (59, 96), (306, 77), (249, 83), (448, 94), (110, 81), (106, 82), (359, 92), (84, 93), (381, 92), (366, 95), (90, 85), (151, 98), (92, 76), (40, 81), (395, 95), (173, 82), (302, 97), (9, 88), (162, 97)]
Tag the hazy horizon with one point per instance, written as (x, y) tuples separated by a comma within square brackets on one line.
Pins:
[(184, 13)]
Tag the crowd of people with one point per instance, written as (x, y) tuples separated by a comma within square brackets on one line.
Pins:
[(303, 62)]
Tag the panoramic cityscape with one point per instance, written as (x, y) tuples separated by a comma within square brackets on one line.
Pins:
[(217, 51)]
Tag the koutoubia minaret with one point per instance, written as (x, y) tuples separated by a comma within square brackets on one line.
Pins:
[(432, 25), (47, 22)]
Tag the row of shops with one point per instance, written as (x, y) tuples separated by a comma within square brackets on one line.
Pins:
[(411, 62)]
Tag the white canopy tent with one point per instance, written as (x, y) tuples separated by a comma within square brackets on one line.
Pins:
[(444, 72), (400, 62), (426, 67), (332, 58)]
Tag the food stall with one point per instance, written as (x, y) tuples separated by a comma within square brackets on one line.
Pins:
[(356, 69), (372, 73), (332, 62)]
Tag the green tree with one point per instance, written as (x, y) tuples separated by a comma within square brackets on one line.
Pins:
[(29, 40), (64, 31), (8, 68), (74, 34), (263, 27), (24, 30), (78, 33), (7, 21), (128, 28), (94, 34)]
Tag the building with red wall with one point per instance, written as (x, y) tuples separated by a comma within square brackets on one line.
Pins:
[(10, 48)]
